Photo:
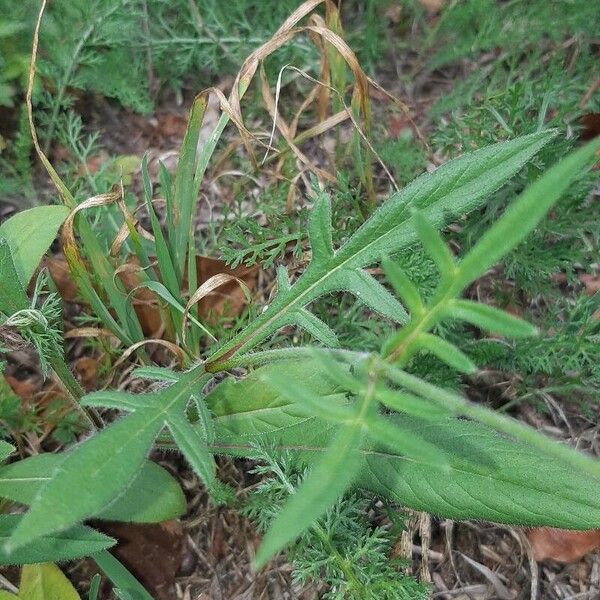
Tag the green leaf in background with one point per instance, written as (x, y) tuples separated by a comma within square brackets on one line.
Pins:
[(153, 496), (7, 596), (29, 234), (45, 582), (77, 542)]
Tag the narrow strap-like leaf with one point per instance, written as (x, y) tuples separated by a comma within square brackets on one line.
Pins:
[(193, 446), (524, 214), (434, 245), (489, 318), (327, 481), (446, 352), (317, 328), (117, 399), (403, 286)]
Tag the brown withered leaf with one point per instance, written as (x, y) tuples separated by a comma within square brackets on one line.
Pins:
[(151, 552), (562, 545), (229, 298)]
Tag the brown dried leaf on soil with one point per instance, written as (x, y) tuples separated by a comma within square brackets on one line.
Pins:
[(562, 545)]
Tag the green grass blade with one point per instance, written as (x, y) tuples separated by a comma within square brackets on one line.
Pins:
[(120, 576)]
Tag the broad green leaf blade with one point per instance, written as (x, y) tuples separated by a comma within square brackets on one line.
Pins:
[(461, 406), (29, 234), (315, 327), (319, 229), (153, 496), (77, 542), (517, 486), (446, 352), (254, 411), (12, 293), (489, 318), (491, 477), (408, 444), (410, 404), (403, 286), (307, 400), (8, 596), (193, 446), (45, 582), (327, 481), (90, 477), (6, 450), (524, 214)]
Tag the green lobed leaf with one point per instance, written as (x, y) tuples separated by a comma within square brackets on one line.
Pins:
[(76, 542), (455, 188), (29, 234), (153, 496), (98, 471), (90, 477)]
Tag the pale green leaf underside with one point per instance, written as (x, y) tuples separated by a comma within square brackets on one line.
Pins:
[(77, 542), (29, 234), (491, 476)]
